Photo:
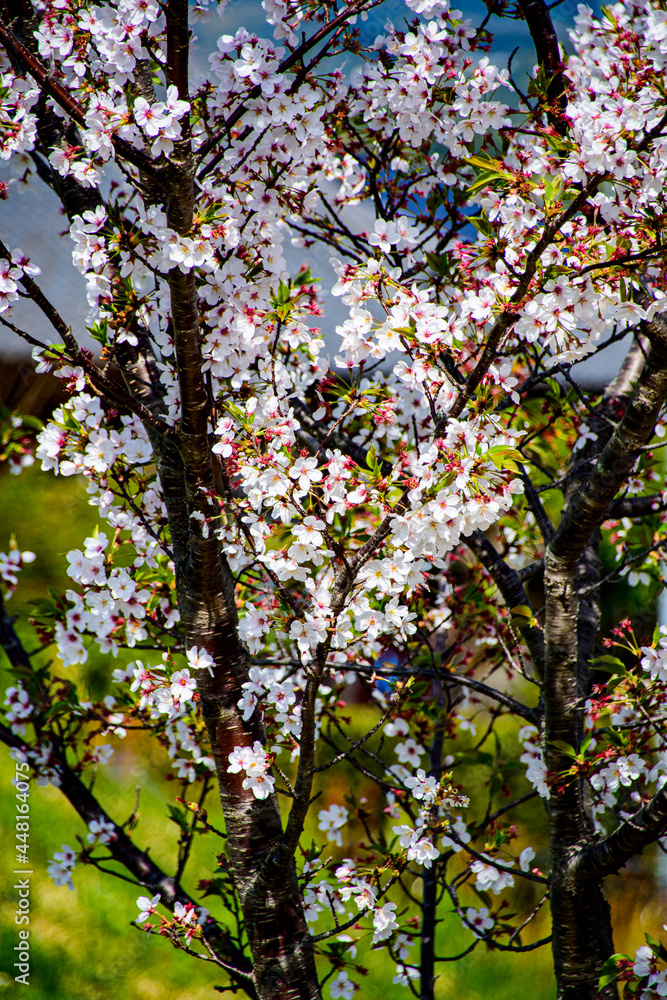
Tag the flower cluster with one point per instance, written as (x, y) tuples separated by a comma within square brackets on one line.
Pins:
[(19, 708), (255, 762), (647, 967), (533, 758), (11, 563), (11, 271), (654, 660), (61, 867), (331, 820)]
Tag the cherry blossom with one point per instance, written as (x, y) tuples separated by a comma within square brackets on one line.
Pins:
[(366, 479), (342, 987), (331, 820), (147, 906), (488, 877), (199, 659), (61, 867)]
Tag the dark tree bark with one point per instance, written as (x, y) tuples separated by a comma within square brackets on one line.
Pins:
[(582, 939)]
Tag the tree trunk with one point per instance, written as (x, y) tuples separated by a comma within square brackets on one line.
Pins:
[(582, 938), (266, 879), (581, 926)]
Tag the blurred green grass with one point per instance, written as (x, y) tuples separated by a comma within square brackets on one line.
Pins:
[(82, 944)]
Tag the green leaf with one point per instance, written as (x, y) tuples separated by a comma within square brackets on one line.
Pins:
[(504, 457), (609, 664), (99, 331), (491, 173), (554, 141), (177, 816), (42, 607), (481, 224), (371, 460), (553, 187), (282, 294), (565, 748), (610, 971), (304, 277), (489, 164), (439, 262), (522, 611)]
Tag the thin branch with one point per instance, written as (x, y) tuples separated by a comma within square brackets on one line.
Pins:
[(545, 40), (510, 585), (64, 99), (655, 503), (646, 826), (103, 385), (124, 851), (589, 506), (349, 11)]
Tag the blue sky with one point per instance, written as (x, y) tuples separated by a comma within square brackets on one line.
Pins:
[(33, 222)]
